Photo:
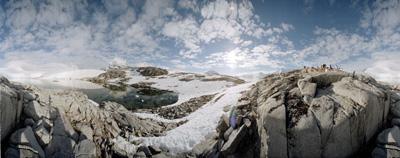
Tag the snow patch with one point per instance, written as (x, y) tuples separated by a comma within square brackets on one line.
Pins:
[(200, 123)]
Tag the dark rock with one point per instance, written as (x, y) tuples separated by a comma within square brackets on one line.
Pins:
[(29, 122), (24, 138), (154, 150), (151, 71), (234, 139), (85, 149), (146, 150)]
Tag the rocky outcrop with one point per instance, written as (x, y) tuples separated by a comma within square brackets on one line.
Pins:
[(58, 123), (151, 71), (11, 103), (328, 114), (181, 110), (388, 141), (111, 74), (300, 113)]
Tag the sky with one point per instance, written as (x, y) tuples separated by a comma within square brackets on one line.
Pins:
[(228, 36)]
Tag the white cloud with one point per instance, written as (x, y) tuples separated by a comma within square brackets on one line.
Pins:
[(386, 70)]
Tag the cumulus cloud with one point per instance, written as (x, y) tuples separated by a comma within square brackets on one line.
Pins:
[(181, 34)]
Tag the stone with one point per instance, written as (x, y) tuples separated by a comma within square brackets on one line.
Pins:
[(140, 154), (228, 133), (29, 96), (206, 148), (379, 152), (272, 127), (146, 150), (86, 131), (222, 127), (154, 149), (36, 111), (42, 135), (395, 109), (247, 122), (20, 153), (307, 88), (29, 122), (234, 139), (396, 122), (85, 149), (390, 136), (123, 147), (25, 137)]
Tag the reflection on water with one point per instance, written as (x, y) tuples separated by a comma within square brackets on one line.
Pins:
[(130, 97), (133, 98)]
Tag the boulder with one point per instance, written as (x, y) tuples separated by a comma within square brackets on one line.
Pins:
[(20, 153), (43, 136), (85, 149), (36, 111), (234, 139), (25, 139), (388, 143), (154, 149), (123, 148)]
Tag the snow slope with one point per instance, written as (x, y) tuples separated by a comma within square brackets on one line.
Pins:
[(185, 89), (200, 123)]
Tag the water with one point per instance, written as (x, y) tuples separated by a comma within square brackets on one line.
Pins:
[(128, 96), (133, 98)]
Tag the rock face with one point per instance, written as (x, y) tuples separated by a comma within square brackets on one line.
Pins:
[(388, 141), (11, 103), (327, 113)]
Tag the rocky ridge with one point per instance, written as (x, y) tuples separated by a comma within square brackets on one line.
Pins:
[(312, 112), (52, 123)]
